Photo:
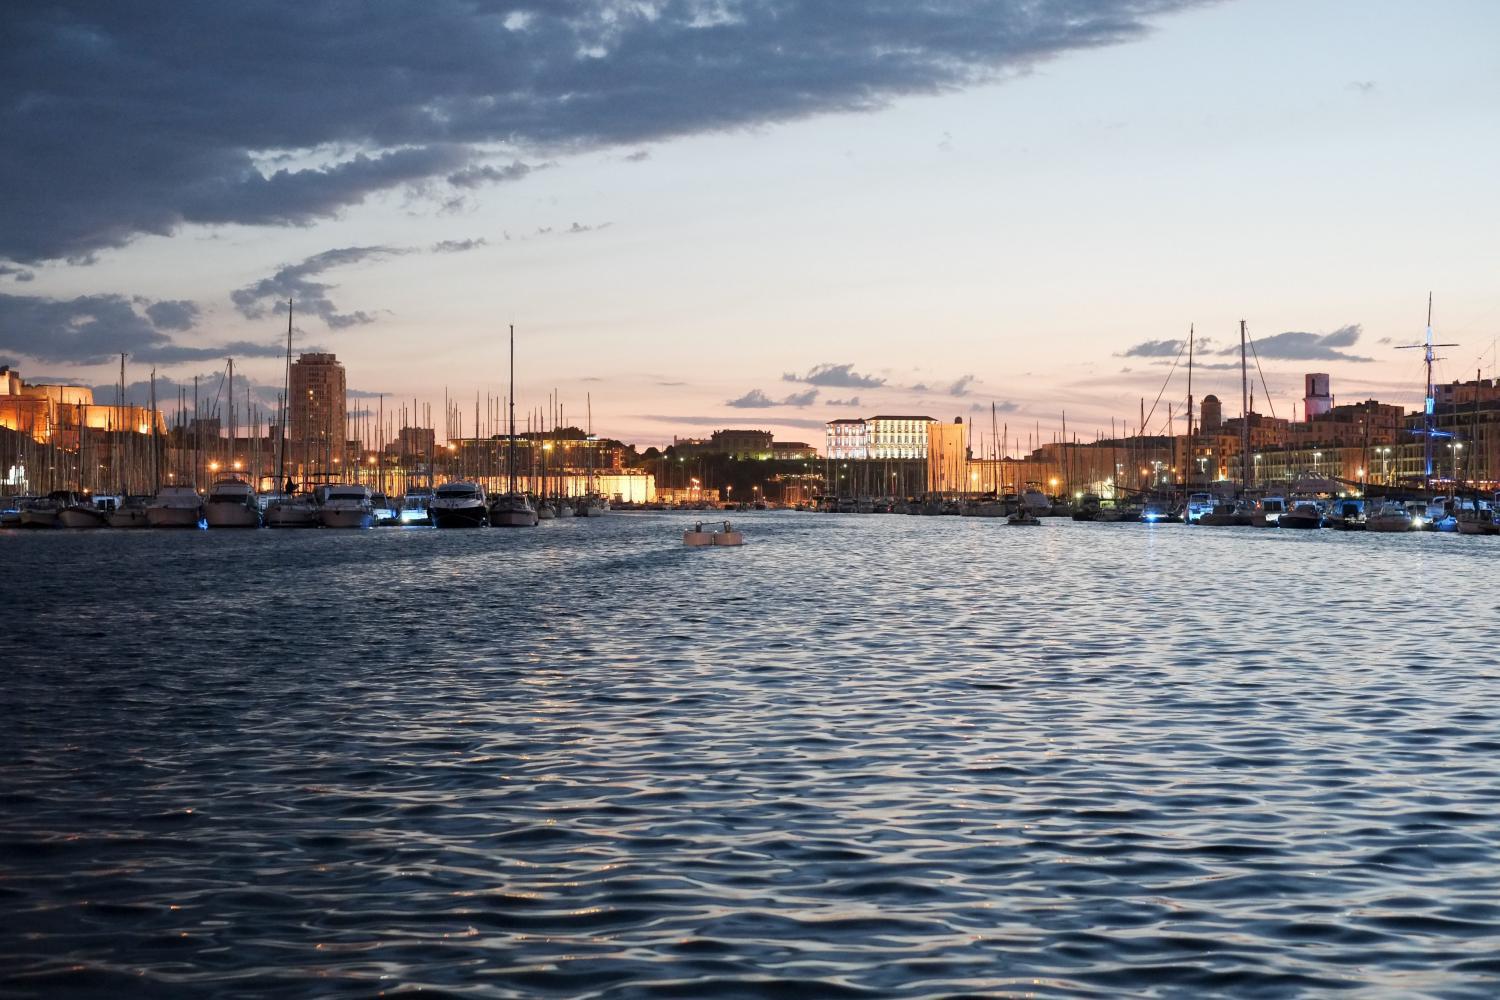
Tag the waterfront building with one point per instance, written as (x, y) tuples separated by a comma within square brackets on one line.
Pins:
[(737, 444), (946, 451), (792, 451), (56, 414), (898, 437), (847, 439), (880, 437)]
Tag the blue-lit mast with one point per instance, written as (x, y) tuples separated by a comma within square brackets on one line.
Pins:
[(1429, 402)]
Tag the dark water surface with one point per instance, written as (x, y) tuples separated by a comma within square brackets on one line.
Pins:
[(860, 757)]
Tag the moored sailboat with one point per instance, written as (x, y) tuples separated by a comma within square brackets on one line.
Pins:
[(512, 509)]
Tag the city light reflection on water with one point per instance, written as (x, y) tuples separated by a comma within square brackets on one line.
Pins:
[(862, 756)]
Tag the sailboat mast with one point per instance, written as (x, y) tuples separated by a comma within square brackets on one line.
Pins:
[(1192, 441), (286, 399), (511, 445), (1245, 411)]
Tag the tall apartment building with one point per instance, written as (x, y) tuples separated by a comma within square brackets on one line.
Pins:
[(319, 406)]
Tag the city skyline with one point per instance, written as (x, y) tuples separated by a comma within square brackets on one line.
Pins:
[(1028, 213)]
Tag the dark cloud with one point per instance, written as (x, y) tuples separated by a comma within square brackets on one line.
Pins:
[(459, 246), (755, 399), (140, 118), (92, 329), (172, 314), (19, 273), (577, 228), (835, 377), (851, 401), (1154, 349), (364, 394), (961, 386), (1007, 407), (294, 281), (639, 156), (477, 176), (752, 400), (1297, 346)]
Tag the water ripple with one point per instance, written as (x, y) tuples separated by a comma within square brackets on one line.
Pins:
[(861, 757)]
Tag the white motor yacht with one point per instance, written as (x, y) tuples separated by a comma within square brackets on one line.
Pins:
[(345, 505), (231, 503), (292, 510), (593, 505), (512, 510), (458, 505), (175, 507)]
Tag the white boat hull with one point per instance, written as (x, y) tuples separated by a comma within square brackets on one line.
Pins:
[(347, 518), (129, 517), (296, 516), (513, 518), (173, 517), (74, 518), (231, 515)]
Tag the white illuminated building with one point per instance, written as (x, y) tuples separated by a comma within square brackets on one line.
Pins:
[(878, 438)]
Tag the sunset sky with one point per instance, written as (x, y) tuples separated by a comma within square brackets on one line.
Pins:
[(756, 214)]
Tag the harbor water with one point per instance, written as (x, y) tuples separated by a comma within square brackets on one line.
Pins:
[(859, 757)]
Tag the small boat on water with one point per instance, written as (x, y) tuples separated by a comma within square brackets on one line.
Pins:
[(131, 513), (1023, 518), (414, 506), (512, 510), (1267, 513), (1160, 510), (697, 537), (1346, 515), (1389, 517), (1198, 505), (345, 505), (544, 511), (1087, 507), (87, 513), (44, 512), (385, 511), (459, 505), (175, 507), (10, 510), (1477, 520), (1227, 515), (593, 505), (231, 503), (1305, 514)]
